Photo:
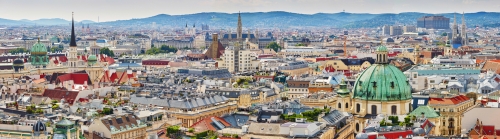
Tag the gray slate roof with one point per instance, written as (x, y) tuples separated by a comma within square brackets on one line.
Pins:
[(179, 103)]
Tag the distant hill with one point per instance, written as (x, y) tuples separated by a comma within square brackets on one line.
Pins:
[(52, 21), (281, 19), (287, 19)]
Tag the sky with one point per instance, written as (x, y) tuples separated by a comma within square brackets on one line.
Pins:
[(111, 10)]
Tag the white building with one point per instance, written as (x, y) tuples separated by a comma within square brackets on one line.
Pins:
[(442, 77), (236, 59)]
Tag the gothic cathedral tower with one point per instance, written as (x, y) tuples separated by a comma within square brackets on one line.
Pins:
[(72, 56), (239, 30), (463, 32)]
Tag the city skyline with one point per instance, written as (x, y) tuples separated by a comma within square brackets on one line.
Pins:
[(109, 11)]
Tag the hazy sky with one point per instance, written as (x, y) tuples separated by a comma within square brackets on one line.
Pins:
[(109, 10)]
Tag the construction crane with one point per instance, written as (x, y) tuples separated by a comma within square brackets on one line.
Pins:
[(345, 46)]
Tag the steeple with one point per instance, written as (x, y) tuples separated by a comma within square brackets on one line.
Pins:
[(72, 43), (454, 19), (454, 27), (463, 31), (239, 30)]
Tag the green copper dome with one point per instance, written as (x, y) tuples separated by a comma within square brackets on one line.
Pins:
[(38, 49), (343, 91), (382, 81), (92, 59), (65, 122), (381, 48), (39, 56)]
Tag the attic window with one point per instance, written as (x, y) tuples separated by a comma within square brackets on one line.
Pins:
[(374, 84), (392, 84)]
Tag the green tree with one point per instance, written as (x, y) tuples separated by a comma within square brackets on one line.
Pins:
[(440, 44), (18, 50), (173, 129), (274, 46), (168, 49), (106, 51), (54, 49), (55, 106), (107, 111), (300, 44), (153, 51)]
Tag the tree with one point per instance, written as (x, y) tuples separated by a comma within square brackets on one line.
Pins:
[(440, 44), (54, 49), (274, 46), (18, 50), (300, 44), (106, 51), (153, 51), (55, 106), (185, 48), (168, 49)]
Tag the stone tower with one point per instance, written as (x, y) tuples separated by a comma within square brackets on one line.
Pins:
[(454, 27), (463, 31), (72, 55), (239, 30)]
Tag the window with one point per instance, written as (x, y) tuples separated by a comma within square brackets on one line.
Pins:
[(421, 102), (431, 81)]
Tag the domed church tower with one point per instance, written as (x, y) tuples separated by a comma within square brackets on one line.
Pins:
[(39, 56), (380, 89)]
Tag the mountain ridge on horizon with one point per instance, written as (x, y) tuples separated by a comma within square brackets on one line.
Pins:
[(260, 19)]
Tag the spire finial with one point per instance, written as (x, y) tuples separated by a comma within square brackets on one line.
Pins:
[(38, 39)]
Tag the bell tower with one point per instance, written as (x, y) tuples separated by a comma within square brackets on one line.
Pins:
[(239, 29), (72, 55)]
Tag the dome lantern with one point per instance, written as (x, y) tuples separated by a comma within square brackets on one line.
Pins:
[(382, 55)]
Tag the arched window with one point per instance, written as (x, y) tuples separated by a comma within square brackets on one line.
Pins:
[(374, 109), (357, 127), (346, 105), (358, 108), (340, 105), (394, 109)]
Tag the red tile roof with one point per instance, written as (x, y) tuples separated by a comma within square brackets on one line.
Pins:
[(59, 93), (205, 124), (451, 101), (392, 134), (78, 78)]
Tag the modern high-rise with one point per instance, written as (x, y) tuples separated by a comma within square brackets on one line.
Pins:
[(433, 22), (396, 30)]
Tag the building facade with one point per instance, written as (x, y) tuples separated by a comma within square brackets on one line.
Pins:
[(433, 22)]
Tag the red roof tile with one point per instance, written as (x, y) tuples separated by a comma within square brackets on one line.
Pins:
[(78, 78), (454, 100), (58, 94), (205, 124)]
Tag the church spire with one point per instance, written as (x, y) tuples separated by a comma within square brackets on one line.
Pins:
[(239, 30), (73, 37)]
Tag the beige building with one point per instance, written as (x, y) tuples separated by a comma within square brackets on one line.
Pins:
[(451, 111), (236, 59), (117, 127)]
